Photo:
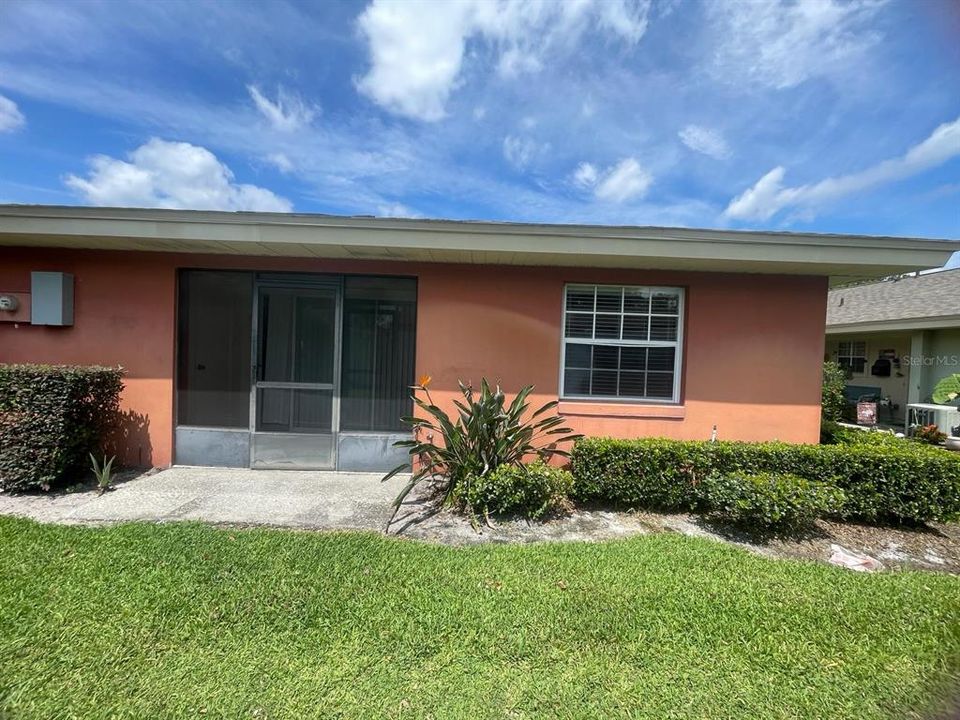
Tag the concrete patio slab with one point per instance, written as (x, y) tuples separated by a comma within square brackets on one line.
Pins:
[(304, 499), (129, 506)]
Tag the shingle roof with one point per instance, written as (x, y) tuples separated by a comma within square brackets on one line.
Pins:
[(930, 295)]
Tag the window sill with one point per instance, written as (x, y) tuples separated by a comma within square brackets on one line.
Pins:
[(590, 408)]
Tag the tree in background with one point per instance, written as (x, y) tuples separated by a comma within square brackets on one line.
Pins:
[(832, 400)]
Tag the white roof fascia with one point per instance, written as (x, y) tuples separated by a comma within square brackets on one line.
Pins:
[(461, 241)]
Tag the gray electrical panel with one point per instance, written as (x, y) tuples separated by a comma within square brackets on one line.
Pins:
[(51, 298)]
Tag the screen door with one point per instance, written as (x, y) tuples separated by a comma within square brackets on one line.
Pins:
[(295, 389)]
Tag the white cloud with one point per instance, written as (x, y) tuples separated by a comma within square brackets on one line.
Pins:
[(627, 180), (520, 152), (626, 19), (516, 61), (171, 175), (347, 167), (415, 53), (396, 210), (287, 114), (417, 47), (585, 175), (780, 44), (10, 116), (768, 196), (704, 140), (281, 162), (761, 201)]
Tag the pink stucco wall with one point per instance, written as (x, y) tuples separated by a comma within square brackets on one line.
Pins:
[(752, 348)]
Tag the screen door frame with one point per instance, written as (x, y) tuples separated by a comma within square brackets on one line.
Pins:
[(290, 449)]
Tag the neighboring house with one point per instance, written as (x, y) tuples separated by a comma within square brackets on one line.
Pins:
[(273, 340), (900, 335)]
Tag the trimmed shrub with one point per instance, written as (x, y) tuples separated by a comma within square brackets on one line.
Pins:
[(769, 500), (528, 490), (832, 400), (649, 473), (830, 432), (905, 482), (836, 434), (51, 418)]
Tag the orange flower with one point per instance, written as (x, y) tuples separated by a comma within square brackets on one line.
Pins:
[(425, 380)]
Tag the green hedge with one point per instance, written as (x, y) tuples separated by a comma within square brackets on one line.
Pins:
[(832, 433), (769, 500), (910, 482), (51, 418), (529, 490)]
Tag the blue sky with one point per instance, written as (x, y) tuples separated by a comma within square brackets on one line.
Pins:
[(806, 116)]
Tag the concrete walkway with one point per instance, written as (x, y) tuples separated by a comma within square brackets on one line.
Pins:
[(310, 500), (299, 499)]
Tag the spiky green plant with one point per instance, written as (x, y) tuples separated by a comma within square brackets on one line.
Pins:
[(486, 434), (103, 472)]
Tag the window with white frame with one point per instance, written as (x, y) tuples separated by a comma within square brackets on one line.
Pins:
[(622, 342), (852, 355)]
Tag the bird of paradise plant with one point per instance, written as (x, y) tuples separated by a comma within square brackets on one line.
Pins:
[(486, 433)]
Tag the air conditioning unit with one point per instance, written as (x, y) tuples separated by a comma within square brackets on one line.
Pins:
[(943, 416)]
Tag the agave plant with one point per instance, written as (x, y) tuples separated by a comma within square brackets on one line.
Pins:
[(103, 472), (486, 434)]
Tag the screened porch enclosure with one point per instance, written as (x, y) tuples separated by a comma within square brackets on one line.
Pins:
[(293, 370)]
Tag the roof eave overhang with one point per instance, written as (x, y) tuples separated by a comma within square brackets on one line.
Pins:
[(841, 257), (901, 325)]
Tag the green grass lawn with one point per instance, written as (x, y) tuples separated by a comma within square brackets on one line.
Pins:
[(144, 621)]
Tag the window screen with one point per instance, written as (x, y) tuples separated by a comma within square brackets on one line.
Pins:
[(622, 342), (213, 377), (377, 367)]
